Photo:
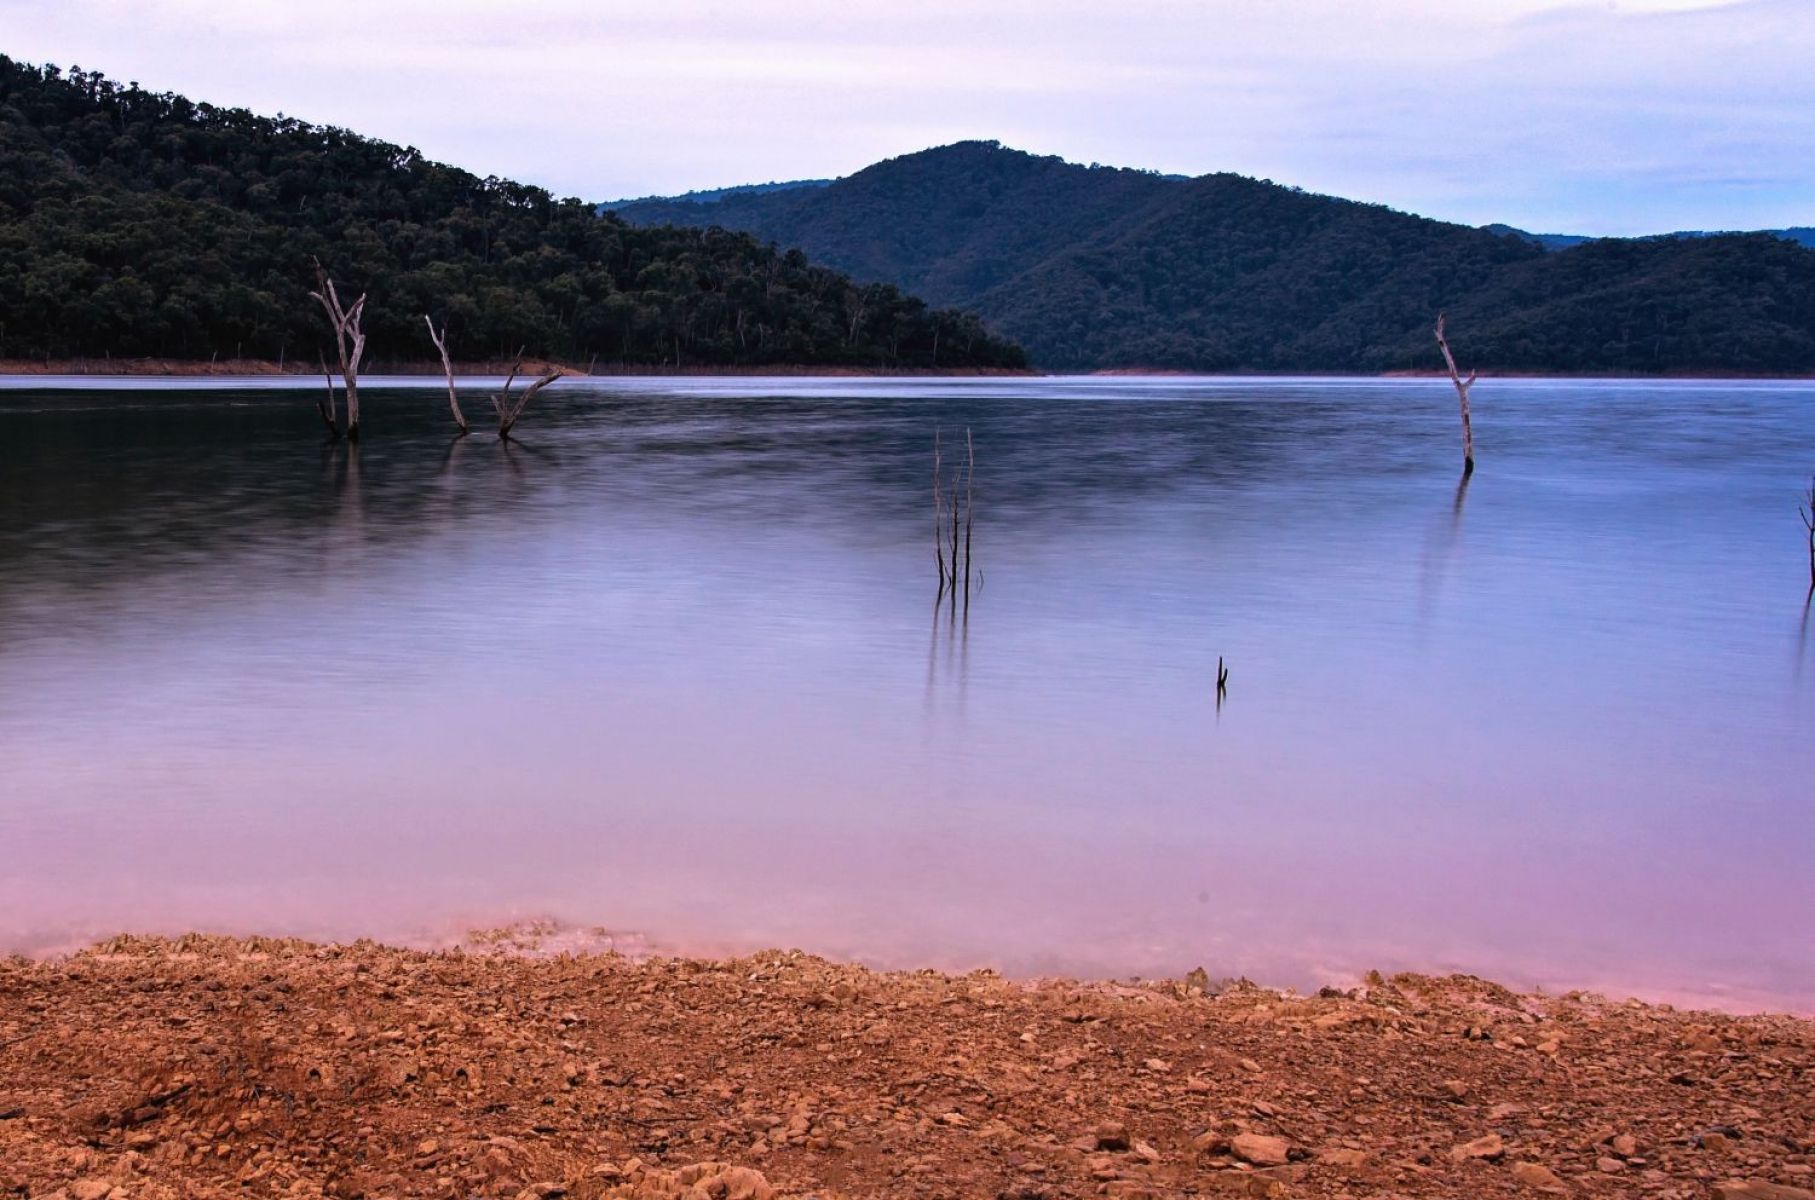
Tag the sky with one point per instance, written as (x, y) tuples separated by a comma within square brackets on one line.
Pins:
[(1598, 117)]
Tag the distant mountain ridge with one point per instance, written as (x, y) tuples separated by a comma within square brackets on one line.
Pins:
[(1093, 267), (1802, 235), (712, 195)]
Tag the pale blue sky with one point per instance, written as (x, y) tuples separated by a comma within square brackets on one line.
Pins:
[(1605, 116)]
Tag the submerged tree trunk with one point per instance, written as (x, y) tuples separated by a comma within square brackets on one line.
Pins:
[(1462, 386), (453, 401), (1808, 521), (939, 511), (954, 519), (349, 340), (508, 412)]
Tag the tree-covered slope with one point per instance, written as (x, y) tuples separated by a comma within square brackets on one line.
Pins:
[(1092, 267), (138, 223)]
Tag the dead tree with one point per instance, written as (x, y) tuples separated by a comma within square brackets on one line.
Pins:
[(939, 512), (954, 518), (349, 341), (970, 506), (508, 410), (1462, 387), (453, 401), (1808, 521)]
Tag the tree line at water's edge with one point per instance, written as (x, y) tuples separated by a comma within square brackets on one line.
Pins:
[(141, 224)]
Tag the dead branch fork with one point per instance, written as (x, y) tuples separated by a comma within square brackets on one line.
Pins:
[(349, 344), (508, 410)]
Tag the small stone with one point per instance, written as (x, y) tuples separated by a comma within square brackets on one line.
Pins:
[(1534, 1175), (1197, 980), (93, 1188), (1759, 1189), (1342, 1157), (427, 1146), (1488, 1146), (1625, 1145), (1249, 1065), (1716, 1142), (1263, 1150), (1210, 1142), (1607, 1165)]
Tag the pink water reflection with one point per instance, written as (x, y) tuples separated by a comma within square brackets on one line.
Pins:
[(582, 688)]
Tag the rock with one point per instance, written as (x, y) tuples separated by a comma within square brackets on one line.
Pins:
[(1759, 1189), (1249, 1065), (1197, 980), (1625, 1145), (90, 1189), (1488, 1146), (1716, 1142), (1263, 1150), (1342, 1157), (1112, 1135), (1210, 1142), (1607, 1165), (1533, 1175)]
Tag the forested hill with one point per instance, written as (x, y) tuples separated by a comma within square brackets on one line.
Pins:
[(1095, 267), (143, 224)]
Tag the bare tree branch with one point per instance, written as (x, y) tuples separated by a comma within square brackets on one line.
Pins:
[(453, 401), (1462, 387), (508, 412), (1807, 512), (349, 340), (939, 511)]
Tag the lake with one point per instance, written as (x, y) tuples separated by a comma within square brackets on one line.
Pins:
[(672, 664)]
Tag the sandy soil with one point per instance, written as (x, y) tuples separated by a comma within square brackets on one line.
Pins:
[(217, 1067)]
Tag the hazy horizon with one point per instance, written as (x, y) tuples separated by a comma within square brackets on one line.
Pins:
[(1623, 117)]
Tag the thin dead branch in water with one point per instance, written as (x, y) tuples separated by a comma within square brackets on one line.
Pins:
[(349, 340), (954, 520), (1807, 510), (447, 367), (509, 411), (1462, 387), (970, 506), (939, 512)]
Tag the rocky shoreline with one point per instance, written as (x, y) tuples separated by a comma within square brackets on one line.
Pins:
[(207, 1066)]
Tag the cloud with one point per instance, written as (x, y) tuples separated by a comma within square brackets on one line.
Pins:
[(1602, 116)]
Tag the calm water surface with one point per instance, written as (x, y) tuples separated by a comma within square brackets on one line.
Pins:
[(672, 664)]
